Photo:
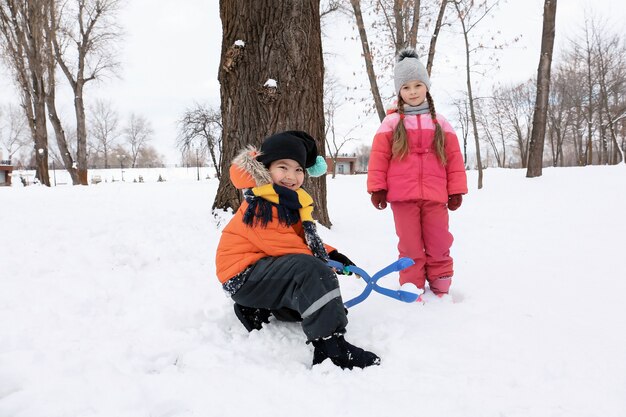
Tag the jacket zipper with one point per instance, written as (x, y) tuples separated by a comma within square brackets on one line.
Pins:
[(421, 155)]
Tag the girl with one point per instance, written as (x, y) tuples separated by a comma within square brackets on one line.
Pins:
[(271, 260), (416, 165)]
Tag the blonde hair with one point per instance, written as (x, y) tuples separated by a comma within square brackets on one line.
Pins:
[(400, 146)]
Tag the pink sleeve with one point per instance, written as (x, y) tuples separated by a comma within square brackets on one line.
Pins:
[(380, 155)]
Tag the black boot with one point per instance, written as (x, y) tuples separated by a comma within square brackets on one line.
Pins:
[(252, 318), (342, 353)]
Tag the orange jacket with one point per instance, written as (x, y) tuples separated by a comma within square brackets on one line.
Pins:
[(241, 245)]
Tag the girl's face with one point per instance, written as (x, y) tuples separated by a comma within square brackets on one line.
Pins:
[(413, 93), (288, 173)]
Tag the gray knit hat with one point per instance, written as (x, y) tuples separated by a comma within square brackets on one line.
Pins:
[(409, 68)]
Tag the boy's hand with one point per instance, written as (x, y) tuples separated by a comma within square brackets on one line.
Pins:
[(379, 199), (341, 258), (454, 201)]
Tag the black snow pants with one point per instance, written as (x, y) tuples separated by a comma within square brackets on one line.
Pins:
[(298, 282)]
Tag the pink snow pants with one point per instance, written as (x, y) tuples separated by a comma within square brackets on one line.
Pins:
[(422, 229)]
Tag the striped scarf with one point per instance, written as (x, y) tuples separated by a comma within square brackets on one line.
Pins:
[(292, 207)]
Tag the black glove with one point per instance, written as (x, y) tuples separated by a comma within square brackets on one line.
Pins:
[(341, 258)]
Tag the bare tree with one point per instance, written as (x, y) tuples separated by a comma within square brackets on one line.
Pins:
[(329, 6), (491, 123), (535, 157), (503, 121), (200, 127), (123, 157), (334, 141), (193, 157), (580, 107), (65, 156), (149, 157), (464, 121), (470, 14), (22, 26), (12, 129), (610, 61), (138, 133), (369, 61), (401, 21), (61, 154), (433, 39), (104, 128), (559, 116), (271, 79), (518, 104), (592, 82), (90, 28), (362, 157)]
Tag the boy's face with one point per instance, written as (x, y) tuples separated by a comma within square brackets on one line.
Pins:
[(413, 93), (287, 172)]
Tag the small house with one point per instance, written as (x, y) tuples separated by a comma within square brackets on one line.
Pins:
[(5, 172), (346, 165)]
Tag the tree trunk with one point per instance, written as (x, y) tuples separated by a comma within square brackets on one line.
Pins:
[(41, 137), (612, 158), (398, 7), (59, 132), (470, 97), (412, 37), (263, 40), (22, 26), (218, 171), (433, 39), (537, 138), (590, 77), (81, 131), (367, 56), (53, 116)]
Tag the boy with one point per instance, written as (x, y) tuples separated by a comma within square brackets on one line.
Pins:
[(271, 260)]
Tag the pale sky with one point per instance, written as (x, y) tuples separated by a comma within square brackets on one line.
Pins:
[(170, 58)]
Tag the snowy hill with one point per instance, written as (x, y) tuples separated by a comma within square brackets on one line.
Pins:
[(109, 307)]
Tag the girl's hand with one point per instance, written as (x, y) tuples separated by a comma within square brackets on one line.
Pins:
[(455, 201), (379, 199)]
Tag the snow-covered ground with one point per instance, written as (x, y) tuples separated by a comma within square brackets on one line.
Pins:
[(109, 307)]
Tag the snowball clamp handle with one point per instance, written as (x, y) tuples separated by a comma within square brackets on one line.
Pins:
[(399, 265)]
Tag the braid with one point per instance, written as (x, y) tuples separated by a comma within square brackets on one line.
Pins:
[(400, 147), (440, 138)]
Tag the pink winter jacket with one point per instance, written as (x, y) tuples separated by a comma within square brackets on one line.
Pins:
[(419, 175)]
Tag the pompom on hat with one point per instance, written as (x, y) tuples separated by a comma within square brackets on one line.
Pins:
[(296, 145), (409, 68)]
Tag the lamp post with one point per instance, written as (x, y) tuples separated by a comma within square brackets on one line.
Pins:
[(121, 158), (197, 165)]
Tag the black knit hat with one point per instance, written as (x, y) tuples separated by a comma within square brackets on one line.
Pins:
[(292, 144)]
